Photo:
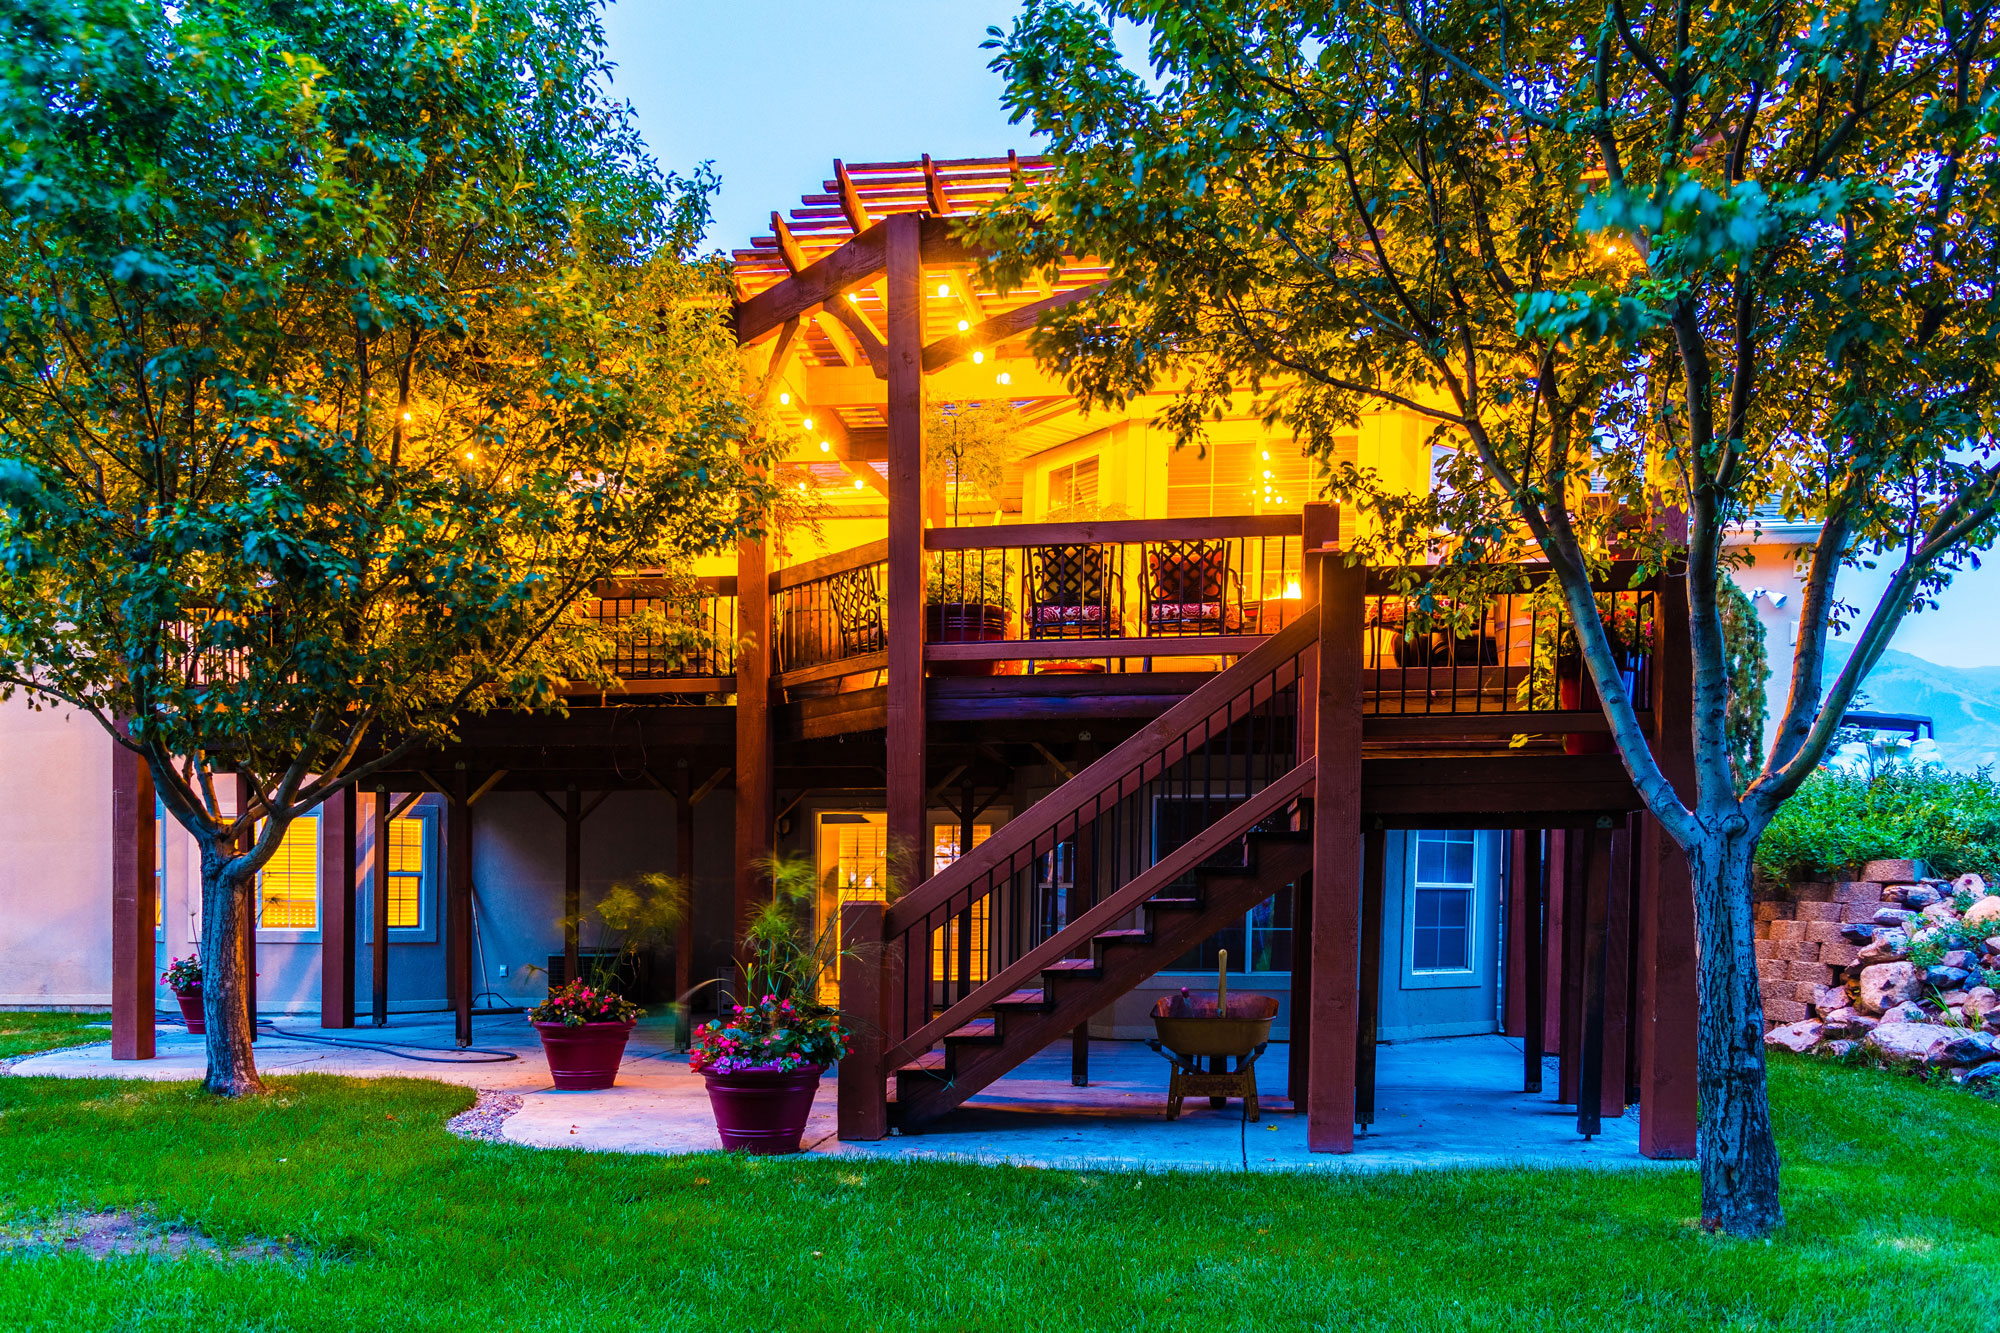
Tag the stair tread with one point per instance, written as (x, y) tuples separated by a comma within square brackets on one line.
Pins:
[(1072, 965), (1141, 935), (1023, 997), (979, 1029), (929, 1062)]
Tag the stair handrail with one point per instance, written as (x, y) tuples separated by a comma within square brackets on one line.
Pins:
[(1242, 818), (1144, 750)]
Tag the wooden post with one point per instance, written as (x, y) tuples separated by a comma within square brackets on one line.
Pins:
[(244, 841), (378, 909), (756, 796), (1666, 1023), (458, 907), (572, 880), (134, 905), (1555, 861), (1534, 934), (1374, 863), (1617, 968), (1319, 528), (1082, 895), (1576, 907), (336, 910), (684, 872), (1590, 1055), (905, 705), (861, 1089), (1514, 999), (1336, 877)]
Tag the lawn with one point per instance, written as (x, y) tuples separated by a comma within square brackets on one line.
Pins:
[(1894, 1207), (26, 1031)]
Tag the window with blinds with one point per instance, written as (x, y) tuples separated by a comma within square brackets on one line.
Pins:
[(945, 941), (288, 885), (409, 843), (1236, 477), (1074, 485)]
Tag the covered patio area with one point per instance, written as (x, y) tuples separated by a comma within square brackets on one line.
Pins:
[(1445, 1103)]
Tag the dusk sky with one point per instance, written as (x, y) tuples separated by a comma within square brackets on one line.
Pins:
[(773, 95)]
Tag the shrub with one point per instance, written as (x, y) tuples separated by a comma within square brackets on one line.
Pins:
[(1837, 820)]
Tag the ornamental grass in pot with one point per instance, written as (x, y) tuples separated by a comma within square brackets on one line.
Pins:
[(762, 1061), (585, 1023), (183, 978)]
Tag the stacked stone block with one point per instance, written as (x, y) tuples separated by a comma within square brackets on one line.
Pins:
[(1800, 950)]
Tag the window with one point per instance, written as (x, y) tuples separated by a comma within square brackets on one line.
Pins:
[(1074, 486), (409, 862), (1262, 940), (159, 869), (288, 885), (1236, 477), (965, 954), (851, 856), (1441, 922)]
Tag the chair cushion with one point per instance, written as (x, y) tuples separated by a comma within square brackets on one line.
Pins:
[(1070, 615)]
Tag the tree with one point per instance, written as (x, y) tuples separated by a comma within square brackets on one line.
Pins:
[(347, 343), (1729, 256)]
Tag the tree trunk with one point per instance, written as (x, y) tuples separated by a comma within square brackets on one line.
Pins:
[(225, 905), (1739, 1157)]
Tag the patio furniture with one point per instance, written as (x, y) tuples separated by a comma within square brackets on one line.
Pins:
[(1218, 1030), (857, 611), (1191, 589), (1075, 591)]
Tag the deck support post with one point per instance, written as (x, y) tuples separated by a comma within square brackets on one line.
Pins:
[(1336, 877), (904, 708), (337, 848), (378, 907), (572, 881), (1319, 528), (684, 872), (1617, 969), (861, 1088), (756, 794), (458, 907), (245, 838), (1665, 1025), (1575, 932), (1590, 1061), (1534, 933), (1374, 865), (134, 906)]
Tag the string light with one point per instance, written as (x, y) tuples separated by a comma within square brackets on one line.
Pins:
[(825, 447), (978, 357), (944, 289), (784, 400), (808, 423), (858, 483), (1003, 378), (965, 326)]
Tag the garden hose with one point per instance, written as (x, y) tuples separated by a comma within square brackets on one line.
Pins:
[(401, 1050)]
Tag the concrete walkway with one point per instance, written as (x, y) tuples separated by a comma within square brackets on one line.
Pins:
[(1444, 1103)]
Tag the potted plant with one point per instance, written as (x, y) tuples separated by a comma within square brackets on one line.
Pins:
[(762, 1061), (183, 978), (585, 1023), (584, 1029)]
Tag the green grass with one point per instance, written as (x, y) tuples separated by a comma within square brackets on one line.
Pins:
[(22, 1033), (1891, 1193)]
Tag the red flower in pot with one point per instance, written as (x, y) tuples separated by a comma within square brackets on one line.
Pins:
[(584, 1029), (183, 978)]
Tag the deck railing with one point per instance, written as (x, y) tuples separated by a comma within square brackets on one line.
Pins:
[(830, 617), (657, 659)]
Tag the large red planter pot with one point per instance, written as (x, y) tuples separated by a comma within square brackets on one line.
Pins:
[(190, 1003), (763, 1110), (584, 1058), (964, 622)]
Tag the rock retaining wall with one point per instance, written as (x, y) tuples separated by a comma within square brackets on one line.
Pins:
[(1894, 962)]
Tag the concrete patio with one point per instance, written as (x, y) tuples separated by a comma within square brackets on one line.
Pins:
[(1444, 1103)]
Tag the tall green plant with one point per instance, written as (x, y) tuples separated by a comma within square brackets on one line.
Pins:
[(343, 345)]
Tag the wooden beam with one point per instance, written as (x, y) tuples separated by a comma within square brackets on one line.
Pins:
[(865, 338), (947, 351), (492, 780), (715, 780), (788, 245), (781, 359), (684, 872), (906, 783), (755, 795), (934, 193), (1534, 954), (572, 813), (1337, 863), (134, 905), (825, 279), (863, 1094), (337, 847), (1617, 978), (1668, 1002), (458, 907), (850, 198), (378, 907), (1374, 862)]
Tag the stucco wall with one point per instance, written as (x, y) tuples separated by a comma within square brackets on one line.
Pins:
[(55, 862)]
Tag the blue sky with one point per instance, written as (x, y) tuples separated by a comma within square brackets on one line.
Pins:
[(772, 94)]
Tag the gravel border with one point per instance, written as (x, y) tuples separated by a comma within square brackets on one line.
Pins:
[(487, 1115)]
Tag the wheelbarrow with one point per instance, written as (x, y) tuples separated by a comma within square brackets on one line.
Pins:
[(1193, 1029)]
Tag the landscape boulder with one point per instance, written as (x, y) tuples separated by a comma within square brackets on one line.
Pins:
[(1961, 958), (1941, 914), (1969, 883), (1967, 1048), (1920, 896), (1885, 985), (1851, 1022), (1796, 1037), (1981, 1000), (1907, 1041), (1985, 1073), (1860, 932), (1892, 916), (1891, 946), (1907, 1012), (1945, 978), (1984, 911)]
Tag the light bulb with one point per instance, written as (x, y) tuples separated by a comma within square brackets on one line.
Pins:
[(855, 299), (808, 424), (944, 289), (1003, 378), (977, 357), (964, 326), (825, 447), (858, 483), (784, 400), (1267, 455), (1267, 476)]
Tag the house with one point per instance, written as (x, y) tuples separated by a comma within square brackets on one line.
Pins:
[(1097, 725)]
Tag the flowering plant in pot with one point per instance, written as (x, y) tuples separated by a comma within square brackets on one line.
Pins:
[(763, 1061), (183, 978)]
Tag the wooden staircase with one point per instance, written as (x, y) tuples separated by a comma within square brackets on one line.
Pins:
[(1228, 752), (1071, 990)]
